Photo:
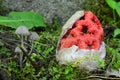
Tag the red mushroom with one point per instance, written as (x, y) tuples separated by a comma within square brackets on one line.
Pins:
[(86, 33)]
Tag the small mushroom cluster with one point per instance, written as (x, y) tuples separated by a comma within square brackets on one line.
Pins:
[(23, 32)]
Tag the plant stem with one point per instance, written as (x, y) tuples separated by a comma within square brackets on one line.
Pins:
[(114, 17), (31, 49)]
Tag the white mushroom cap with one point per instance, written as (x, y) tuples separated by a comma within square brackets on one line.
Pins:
[(34, 36), (22, 30), (17, 50)]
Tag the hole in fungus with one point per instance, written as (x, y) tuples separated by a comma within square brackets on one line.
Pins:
[(93, 20), (85, 29), (71, 35), (89, 46), (67, 34), (92, 33), (82, 18), (73, 26)]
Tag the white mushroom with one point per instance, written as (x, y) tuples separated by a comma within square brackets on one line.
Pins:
[(17, 50), (22, 31), (34, 36)]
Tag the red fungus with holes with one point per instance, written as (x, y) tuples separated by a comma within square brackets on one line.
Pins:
[(86, 33)]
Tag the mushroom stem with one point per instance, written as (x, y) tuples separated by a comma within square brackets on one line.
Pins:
[(30, 52), (28, 57), (21, 55), (22, 44), (21, 58)]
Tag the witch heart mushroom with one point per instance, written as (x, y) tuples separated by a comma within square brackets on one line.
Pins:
[(81, 37)]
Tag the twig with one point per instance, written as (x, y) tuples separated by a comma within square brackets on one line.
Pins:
[(113, 58), (51, 42), (100, 77), (10, 58)]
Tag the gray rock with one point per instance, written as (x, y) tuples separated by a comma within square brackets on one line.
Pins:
[(63, 9), (113, 72)]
